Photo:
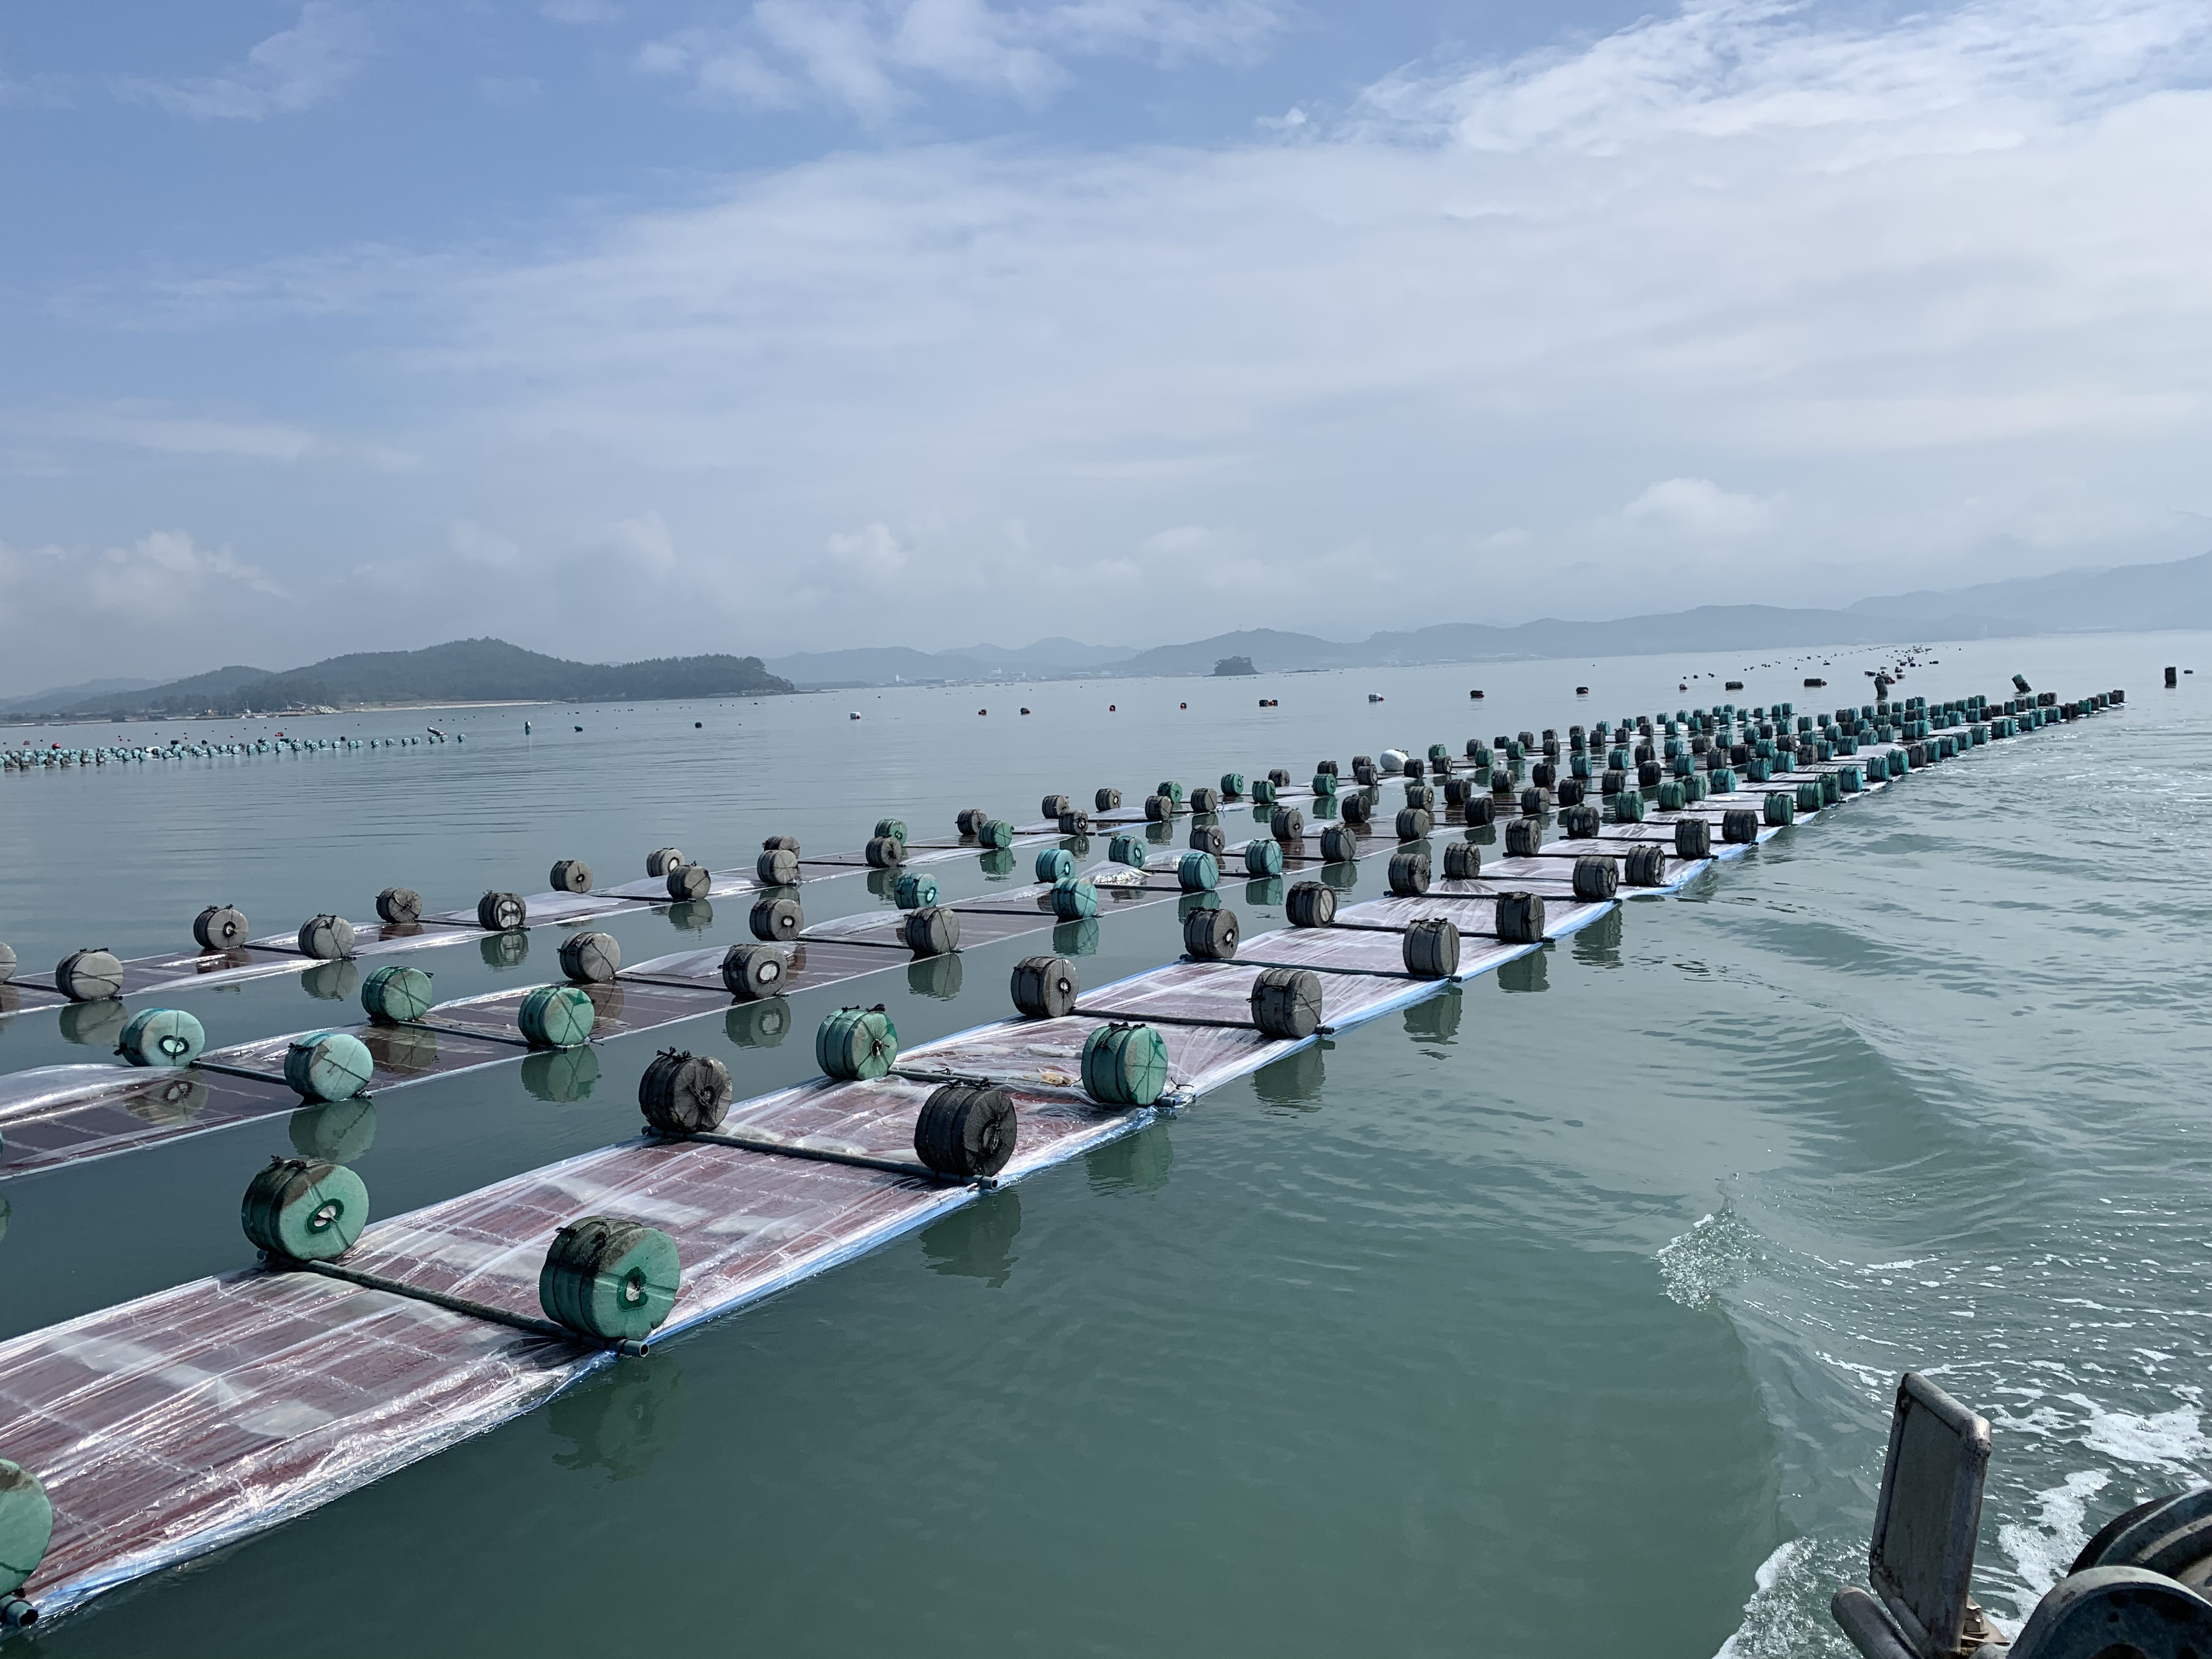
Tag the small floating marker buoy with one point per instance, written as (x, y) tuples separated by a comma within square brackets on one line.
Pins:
[(983, 711), (579, 728), (1024, 711), (1475, 696), (526, 728), (853, 715), (1374, 697), (698, 726), (1182, 705), (1111, 707)]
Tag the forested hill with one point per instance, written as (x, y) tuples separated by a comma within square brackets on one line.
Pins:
[(463, 671)]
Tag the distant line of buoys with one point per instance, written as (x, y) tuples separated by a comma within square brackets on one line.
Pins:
[(30, 760)]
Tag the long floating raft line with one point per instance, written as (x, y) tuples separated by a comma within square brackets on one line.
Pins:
[(65, 1115), (284, 1389)]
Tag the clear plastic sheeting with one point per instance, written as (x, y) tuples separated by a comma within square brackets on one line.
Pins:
[(1475, 916), (72, 1114)]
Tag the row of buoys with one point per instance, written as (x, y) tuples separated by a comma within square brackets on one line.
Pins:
[(26, 760)]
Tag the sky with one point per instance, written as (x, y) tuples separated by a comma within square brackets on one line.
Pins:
[(626, 328)]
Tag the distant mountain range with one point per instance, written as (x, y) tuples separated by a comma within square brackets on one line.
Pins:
[(463, 671), (2142, 597)]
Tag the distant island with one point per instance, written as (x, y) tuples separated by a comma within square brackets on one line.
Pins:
[(462, 671), (1234, 665)]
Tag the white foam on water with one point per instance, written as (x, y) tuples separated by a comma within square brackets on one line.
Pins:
[(1790, 1589), (2042, 1549), (2168, 1440), (1720, 1251)]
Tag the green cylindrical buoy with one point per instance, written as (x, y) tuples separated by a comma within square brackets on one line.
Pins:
[(1263, 858), (911, 891), (1073, 899), (304, 1209), (856, 1044), (1197, 872), (394, 994), (610, 1279), (1125, 1065), (161, 1037), (328, 1064), (556, 1017), (1127, 849), (26, 1525), (684, 1093), (1055, 864)]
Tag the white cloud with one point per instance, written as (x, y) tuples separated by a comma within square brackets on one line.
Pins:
[(1698, 507), (874, 57), (1925, 291), (290, 71), (473, 545)]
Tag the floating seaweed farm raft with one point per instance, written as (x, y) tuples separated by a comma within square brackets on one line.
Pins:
[(170, 1425)]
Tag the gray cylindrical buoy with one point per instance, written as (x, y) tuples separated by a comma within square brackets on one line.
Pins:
[(1106, 800), (610, 1279), (1075, 823), (932, 931), (1596, 877), (1158, 809), (1355, 808), (1524, 838), (1339, 844), (398, 906), (1740, 826), (1693, 838), (1462, 861), (684, 1093), (966, 1131), (1432, 948), (856, 1045), (303, 1209), (1054, 805), (1414, 823), (1208, 838), (1520, 918), (968, 819), (661, 859), (591, 957), (1211, 935), (1204, 798), (92, 976), (771, 843), (396, 993), (752, 971), (1409, 873), (1287, 1003), (884, 852), (219, 927), (328, 1064), (776, 919), (502, 913), (571, 876), (1480, 810), (1288, 824), (894, 828), (7, 963), (1581, 822), (326, 938), (1125, 1065), (1045, 987), (158, 1037), (1310, 904), (27, 1527), (778, 866), (1646, 864), (1279, 776), (690, 881)]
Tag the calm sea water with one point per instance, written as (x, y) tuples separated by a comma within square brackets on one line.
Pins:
[(1560, 1311)]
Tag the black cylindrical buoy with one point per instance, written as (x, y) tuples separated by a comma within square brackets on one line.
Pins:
[(1339, 844), (1479, 810), (1288, 824), (591, 957), (776, 919), (1431, 949), (1414, 823), (1693, 838), (1211, 935), (1596, 877), (1462, 861), (502, 913), (1286, 1002), (934, 930), (398, 906), (778, 866), (1107, 800), (1740, 825), (1045, 987), (966, 1130), (1520, 918), (1647, 865), (1208, 838), (689, 881), (1310, 904), (571, 876), (1524, 838), (752, 971), (1354, 808), (684, 1093), (1409, 873)]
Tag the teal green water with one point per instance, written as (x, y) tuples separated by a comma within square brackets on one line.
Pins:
[(1559, 1311)]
